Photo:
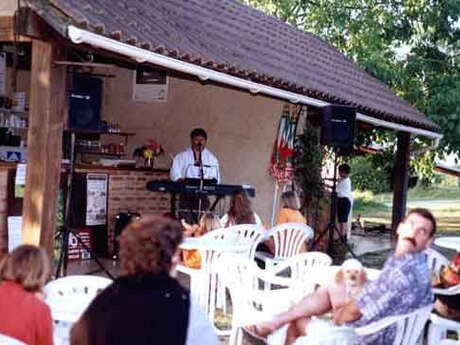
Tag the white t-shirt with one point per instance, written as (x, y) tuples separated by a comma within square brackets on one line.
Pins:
[(224, 220), (184, 166), (200, 330), (343, 189)]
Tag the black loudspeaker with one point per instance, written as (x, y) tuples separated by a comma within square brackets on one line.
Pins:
[(338, 126), (122, 219), (85, 103)]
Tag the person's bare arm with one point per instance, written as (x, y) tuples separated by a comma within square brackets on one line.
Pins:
[(348, 313), (316, 303)]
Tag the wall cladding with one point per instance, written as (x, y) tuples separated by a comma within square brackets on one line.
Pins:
[(127, 192)]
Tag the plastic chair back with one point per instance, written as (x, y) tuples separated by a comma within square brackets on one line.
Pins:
[(252, 233), (436, 261), (288, 239), (6, 340), (243, 278), (76, 285), (409, 326)]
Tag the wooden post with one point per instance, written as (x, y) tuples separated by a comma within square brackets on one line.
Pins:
[(400, 181), (44, 144)]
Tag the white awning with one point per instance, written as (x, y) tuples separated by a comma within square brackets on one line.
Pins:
[(140, 55)]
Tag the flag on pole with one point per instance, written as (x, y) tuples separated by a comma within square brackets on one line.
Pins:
[(281, 167)]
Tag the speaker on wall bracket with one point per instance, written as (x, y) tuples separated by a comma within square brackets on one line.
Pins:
[(338, 126), (85, 103)]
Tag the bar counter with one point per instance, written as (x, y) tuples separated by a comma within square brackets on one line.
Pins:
[(126, 192)]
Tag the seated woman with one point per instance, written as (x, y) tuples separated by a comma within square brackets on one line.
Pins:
[(145, 305), (289, 213), (449, 306), (23, 313), (290, 206), (240, 211), (208, 222)]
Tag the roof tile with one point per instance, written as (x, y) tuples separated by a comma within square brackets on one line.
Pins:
[(229, 36)]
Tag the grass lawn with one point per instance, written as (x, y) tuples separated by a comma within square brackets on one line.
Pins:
[(431, 193), (377, 208)]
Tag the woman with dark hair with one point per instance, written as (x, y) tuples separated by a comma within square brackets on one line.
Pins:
[(23, 313), (240, 211), (290, 206), (146, 305)]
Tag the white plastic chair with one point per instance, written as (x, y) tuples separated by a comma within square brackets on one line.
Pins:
[(6, 340), (436, 261), (449, 342), (330, 336), (438, 327), (298, 268), (250, 304), (409, 326), (288, 239), (203, 281), (68, 297), (252, 233)]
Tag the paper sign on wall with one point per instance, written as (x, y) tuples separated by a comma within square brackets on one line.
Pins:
[(150, 86), (96, 199), (14, 232)]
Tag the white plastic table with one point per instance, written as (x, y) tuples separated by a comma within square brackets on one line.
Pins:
[(216, 245), (203, 281), (69, 309), (451, 242)]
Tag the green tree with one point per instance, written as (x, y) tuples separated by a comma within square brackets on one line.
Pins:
[(413, 46)]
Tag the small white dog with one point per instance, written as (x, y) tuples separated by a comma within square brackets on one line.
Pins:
[(353, 276)]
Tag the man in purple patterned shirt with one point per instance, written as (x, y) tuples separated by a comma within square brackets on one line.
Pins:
[(403, 285)]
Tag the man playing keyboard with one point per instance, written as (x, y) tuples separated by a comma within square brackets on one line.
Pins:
[(196, 161), (199, 163)]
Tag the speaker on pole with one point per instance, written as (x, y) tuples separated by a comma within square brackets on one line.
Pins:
[(85, 103), (338, 126)]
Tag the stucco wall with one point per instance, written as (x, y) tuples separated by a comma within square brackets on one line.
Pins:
[(241, 127), (7, 7)]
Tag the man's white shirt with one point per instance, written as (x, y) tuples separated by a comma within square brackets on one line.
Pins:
[(184, 166)]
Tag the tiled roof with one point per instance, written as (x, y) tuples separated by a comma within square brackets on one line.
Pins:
[(228, 36)]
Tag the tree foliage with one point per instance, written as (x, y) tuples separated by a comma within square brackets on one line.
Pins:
[(413, 46)]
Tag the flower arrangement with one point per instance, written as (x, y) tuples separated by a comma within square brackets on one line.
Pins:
[(149, 151)]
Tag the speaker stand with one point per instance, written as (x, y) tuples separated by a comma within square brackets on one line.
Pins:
[(66, 230), (331, 227)]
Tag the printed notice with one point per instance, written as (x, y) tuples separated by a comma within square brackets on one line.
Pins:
[(150, 86), (96, 199), (14, 232)]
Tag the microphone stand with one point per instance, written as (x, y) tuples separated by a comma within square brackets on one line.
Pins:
[(200, 162)]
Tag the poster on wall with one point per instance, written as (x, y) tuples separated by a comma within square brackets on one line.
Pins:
[(96, 199), (2, 73), (14, 232), (150, 85)]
